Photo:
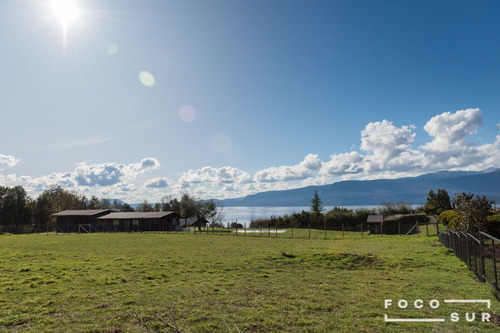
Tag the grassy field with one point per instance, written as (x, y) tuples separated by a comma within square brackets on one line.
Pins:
[(226, 283)]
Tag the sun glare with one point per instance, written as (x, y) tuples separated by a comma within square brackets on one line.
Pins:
[(66, 11)]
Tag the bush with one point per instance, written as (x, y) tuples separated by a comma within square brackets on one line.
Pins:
[(493, 225), (448, 218)]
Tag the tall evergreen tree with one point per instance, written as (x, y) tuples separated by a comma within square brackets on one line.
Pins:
[(317, 205)]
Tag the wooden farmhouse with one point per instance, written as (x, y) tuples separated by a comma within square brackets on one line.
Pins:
[(107, 221)]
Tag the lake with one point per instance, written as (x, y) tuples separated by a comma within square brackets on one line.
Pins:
[(244, 214)]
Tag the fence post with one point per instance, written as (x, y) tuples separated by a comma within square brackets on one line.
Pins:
[(466, 251), (494, 263), (482, 256)]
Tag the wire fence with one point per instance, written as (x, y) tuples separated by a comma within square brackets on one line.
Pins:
[(481, 255), (332, 231)]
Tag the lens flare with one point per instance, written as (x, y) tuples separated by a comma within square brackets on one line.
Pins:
[(147, 78), (187, 113)]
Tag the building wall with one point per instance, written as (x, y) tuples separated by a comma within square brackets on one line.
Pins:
[(69, 224)]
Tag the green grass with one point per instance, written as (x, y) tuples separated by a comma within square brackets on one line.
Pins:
[(229, 283)]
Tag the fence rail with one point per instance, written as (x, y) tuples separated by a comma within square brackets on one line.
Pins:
[(481, 255)]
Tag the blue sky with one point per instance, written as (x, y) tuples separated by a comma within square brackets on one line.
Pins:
[(144, 99)]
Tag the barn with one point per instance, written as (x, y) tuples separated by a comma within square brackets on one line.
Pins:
[(105, 220), (139, 221), (78, 220)]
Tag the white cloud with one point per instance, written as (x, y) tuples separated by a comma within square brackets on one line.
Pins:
[(159, 182), (450, 131), (340, 164), (146, 164), (384, 141), (217, 176), (303, 170), (108, 177), (9, 160), (386, 151)]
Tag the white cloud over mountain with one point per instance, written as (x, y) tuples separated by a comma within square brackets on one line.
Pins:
[(386, 151), (303, 170)]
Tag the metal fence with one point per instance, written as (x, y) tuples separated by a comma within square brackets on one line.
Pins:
[(481, 255)]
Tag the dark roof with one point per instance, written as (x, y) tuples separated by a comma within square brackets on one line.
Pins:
[(86, 212), (135, 215), (375, 219)]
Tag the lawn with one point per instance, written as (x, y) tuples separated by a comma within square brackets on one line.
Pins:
[(188, 282)]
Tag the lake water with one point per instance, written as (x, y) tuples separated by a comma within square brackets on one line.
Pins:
[(244, 214)]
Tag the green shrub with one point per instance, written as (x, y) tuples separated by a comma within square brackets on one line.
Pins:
[(448, 218)]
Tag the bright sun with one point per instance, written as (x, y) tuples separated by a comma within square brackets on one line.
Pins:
[(66, 11)]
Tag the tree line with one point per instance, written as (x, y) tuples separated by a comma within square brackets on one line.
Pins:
[(465, 212), (19, 213)]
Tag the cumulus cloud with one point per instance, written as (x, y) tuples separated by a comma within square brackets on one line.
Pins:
[(145, 164), (385, 140), (107, 174), (159, 182), (110, 175), (450, 130), (98, 174), (386, 151), (8, 160), (218, 176), (340, 164), (304, 169)]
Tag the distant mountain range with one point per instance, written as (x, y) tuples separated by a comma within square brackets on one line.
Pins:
[(376, 192)]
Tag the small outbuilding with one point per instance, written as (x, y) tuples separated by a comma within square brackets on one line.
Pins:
[(375, 223)]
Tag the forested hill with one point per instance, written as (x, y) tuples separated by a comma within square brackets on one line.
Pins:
[(376, 192)]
